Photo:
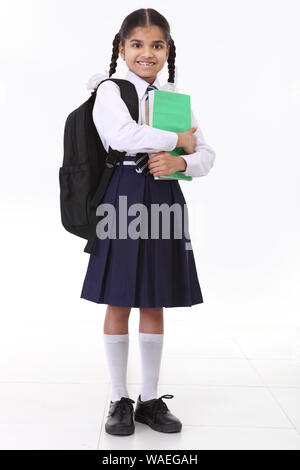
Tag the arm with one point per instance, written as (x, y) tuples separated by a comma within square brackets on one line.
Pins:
[(112, 118), (200, 162)]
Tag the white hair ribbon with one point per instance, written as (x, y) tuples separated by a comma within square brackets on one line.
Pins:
[(96, 79)]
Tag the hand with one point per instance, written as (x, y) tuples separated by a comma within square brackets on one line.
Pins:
[(164, 163), (187, 140)]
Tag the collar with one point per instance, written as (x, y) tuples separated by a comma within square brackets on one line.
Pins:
[(140, 84)]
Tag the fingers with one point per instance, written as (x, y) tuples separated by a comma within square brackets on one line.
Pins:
[(153, 154), (153, 165)]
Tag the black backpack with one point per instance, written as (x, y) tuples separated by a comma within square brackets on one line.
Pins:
[(87, 167)]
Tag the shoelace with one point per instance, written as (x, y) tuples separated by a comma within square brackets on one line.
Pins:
[(159, 405), (123, 405)]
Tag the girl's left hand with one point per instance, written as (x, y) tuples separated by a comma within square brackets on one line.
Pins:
[(164, 163)]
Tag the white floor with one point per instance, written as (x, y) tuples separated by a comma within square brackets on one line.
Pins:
[(235, 387), (232, 363)]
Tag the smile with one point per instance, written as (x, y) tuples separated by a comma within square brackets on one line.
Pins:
[(146, 64)]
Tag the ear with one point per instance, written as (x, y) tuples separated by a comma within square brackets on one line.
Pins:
[(121, 51), (168, 52)]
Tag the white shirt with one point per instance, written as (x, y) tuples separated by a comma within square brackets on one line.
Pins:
[(118, 130)]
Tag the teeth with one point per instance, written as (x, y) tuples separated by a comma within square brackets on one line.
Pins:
[(147, 64)]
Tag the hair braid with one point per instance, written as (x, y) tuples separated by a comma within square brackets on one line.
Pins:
[(115, 55), (171, 61)]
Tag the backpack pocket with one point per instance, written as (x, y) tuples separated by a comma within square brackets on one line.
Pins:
[(75, 187)]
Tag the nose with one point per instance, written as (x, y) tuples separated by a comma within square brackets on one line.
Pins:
[(148, 52)]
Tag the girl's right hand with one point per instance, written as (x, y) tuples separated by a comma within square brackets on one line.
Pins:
[(187, 140)]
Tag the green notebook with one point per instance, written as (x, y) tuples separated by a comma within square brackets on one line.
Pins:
[(170, 111)]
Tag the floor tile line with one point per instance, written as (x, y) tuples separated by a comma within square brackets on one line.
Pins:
[(288, 428), (103, 417), (163, 384), (283, 410)]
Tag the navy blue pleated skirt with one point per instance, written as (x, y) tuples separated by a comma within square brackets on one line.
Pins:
[(143, 272)]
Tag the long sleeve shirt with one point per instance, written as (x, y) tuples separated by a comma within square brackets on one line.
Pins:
[(118, 130)]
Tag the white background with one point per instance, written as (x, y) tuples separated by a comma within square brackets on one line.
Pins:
[(239, 60)]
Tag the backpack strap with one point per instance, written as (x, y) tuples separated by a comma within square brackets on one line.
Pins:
[(130, 97), (128, 94)]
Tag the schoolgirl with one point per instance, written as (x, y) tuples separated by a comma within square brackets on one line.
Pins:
[(129, 271)]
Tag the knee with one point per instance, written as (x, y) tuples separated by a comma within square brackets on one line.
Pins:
[(118, 312), (157, 311)]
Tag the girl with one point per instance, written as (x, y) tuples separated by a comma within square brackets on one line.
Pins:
[(148, 272)]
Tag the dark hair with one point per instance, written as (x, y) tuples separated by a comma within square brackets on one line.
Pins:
[(143, 17)]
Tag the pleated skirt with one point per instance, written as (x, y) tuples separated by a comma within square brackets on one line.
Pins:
[(158, 271)]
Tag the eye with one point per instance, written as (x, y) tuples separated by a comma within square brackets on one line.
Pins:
[(137, 44)]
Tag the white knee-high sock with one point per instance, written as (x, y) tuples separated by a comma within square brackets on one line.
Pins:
[(116, 347), (151, 345)]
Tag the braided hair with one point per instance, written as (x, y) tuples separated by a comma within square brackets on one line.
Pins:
[(143, 17)]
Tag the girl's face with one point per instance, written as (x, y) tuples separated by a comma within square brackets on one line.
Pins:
[(145, 44)]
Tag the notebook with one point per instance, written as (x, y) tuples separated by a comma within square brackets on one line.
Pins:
[(170, 111)]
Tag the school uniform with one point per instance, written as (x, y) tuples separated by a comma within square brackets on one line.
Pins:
[(143, 272)]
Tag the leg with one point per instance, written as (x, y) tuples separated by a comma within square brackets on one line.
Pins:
[(116, 320), (116, 341), (151, 320), (151, 334)]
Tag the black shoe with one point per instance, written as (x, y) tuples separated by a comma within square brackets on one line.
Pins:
[(120, 417), (157, 415)]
